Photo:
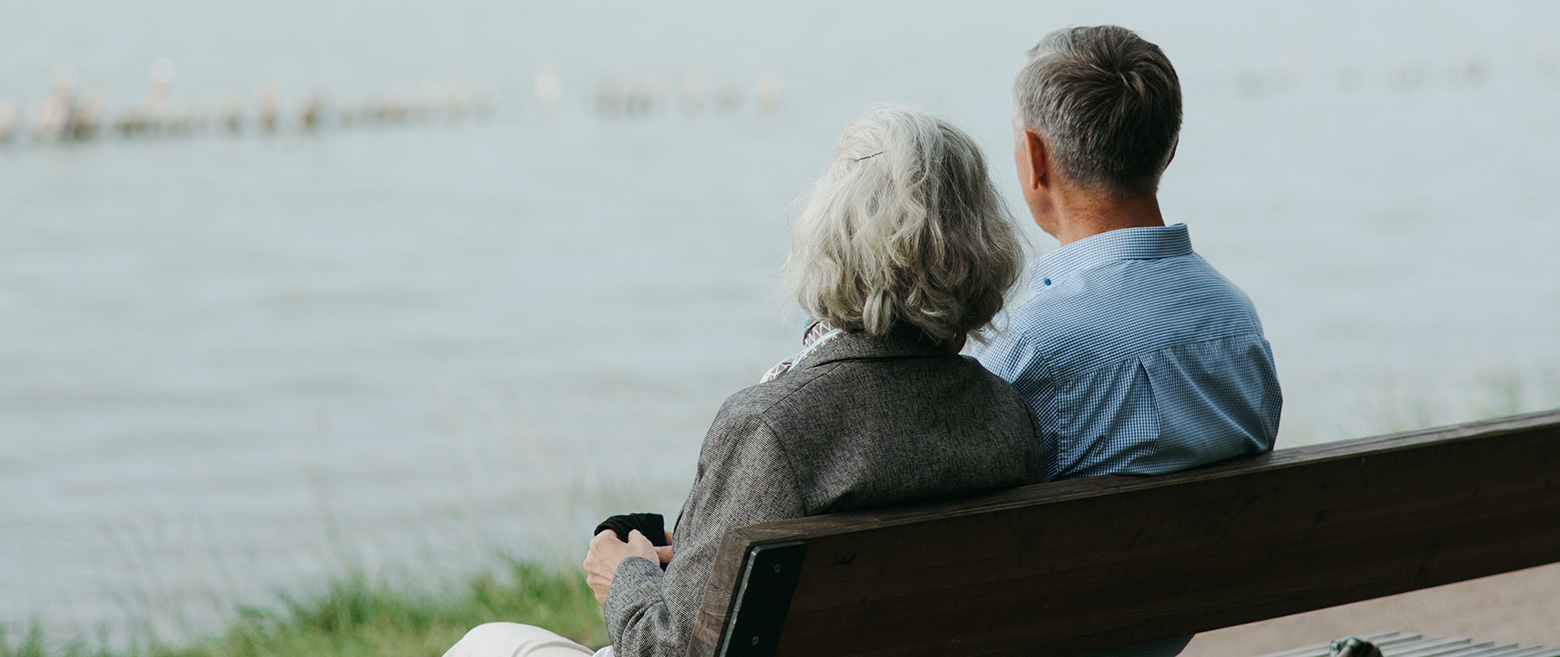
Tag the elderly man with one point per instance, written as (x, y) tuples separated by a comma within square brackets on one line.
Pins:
[(1136, 355)]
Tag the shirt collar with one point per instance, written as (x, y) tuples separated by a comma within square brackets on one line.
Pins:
[(1142, 243)]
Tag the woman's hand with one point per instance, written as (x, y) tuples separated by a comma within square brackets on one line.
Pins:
[(606, 552), (665, 551)]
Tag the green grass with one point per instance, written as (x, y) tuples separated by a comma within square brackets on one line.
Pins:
[(358, 617)]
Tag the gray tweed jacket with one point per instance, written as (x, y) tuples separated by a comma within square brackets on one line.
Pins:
[(858, 422)]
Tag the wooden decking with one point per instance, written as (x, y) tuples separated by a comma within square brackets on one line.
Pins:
[(1397, 644), (1516, 607)]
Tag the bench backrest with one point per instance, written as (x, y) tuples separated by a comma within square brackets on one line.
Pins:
[(1092, 564)]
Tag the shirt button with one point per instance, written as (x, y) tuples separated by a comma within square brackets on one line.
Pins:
[(1046, 281)]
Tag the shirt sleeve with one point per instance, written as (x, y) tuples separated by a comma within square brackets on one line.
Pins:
[(1014, 359), (744, 478)]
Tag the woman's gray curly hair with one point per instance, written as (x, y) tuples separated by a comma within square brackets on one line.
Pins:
[(905, 228)]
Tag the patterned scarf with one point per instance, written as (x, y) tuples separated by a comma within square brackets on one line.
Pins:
[(818, 331)]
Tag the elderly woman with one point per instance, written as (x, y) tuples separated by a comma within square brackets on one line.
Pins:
[(902, 252)]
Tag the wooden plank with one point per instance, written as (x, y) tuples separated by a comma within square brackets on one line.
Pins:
[(1093, 564), (1451, 648)]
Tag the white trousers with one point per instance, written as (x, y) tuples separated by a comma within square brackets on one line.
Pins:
[(516, 640)]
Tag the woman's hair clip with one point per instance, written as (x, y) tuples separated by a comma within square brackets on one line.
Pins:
[(869, 156)]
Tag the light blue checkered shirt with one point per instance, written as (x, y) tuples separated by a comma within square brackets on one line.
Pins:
[(1138, 358)]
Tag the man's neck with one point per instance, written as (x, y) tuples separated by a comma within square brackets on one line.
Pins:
[(1079, 217)]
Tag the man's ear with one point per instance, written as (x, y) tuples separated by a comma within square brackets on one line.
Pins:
[(1173, 146), (1039, 160)]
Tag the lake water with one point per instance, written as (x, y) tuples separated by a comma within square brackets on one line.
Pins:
[(236, 364)]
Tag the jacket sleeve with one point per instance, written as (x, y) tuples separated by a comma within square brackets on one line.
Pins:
[(743, 478)]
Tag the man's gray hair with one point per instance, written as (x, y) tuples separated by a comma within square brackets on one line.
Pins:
[(1107, 103), (904, 229)]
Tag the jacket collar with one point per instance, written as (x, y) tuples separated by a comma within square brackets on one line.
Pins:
[(856, 345)]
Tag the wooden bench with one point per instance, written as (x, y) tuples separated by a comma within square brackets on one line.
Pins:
[(1087, 565)]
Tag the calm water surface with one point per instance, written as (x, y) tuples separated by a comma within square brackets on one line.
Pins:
[(230, 365)]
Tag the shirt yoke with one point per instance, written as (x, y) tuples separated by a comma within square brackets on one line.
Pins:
[(1120, 310)]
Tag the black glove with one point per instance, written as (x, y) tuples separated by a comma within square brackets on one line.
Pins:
[(1353, 646), (649, 524)]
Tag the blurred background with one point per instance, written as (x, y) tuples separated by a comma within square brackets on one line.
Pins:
[(290, 287)]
